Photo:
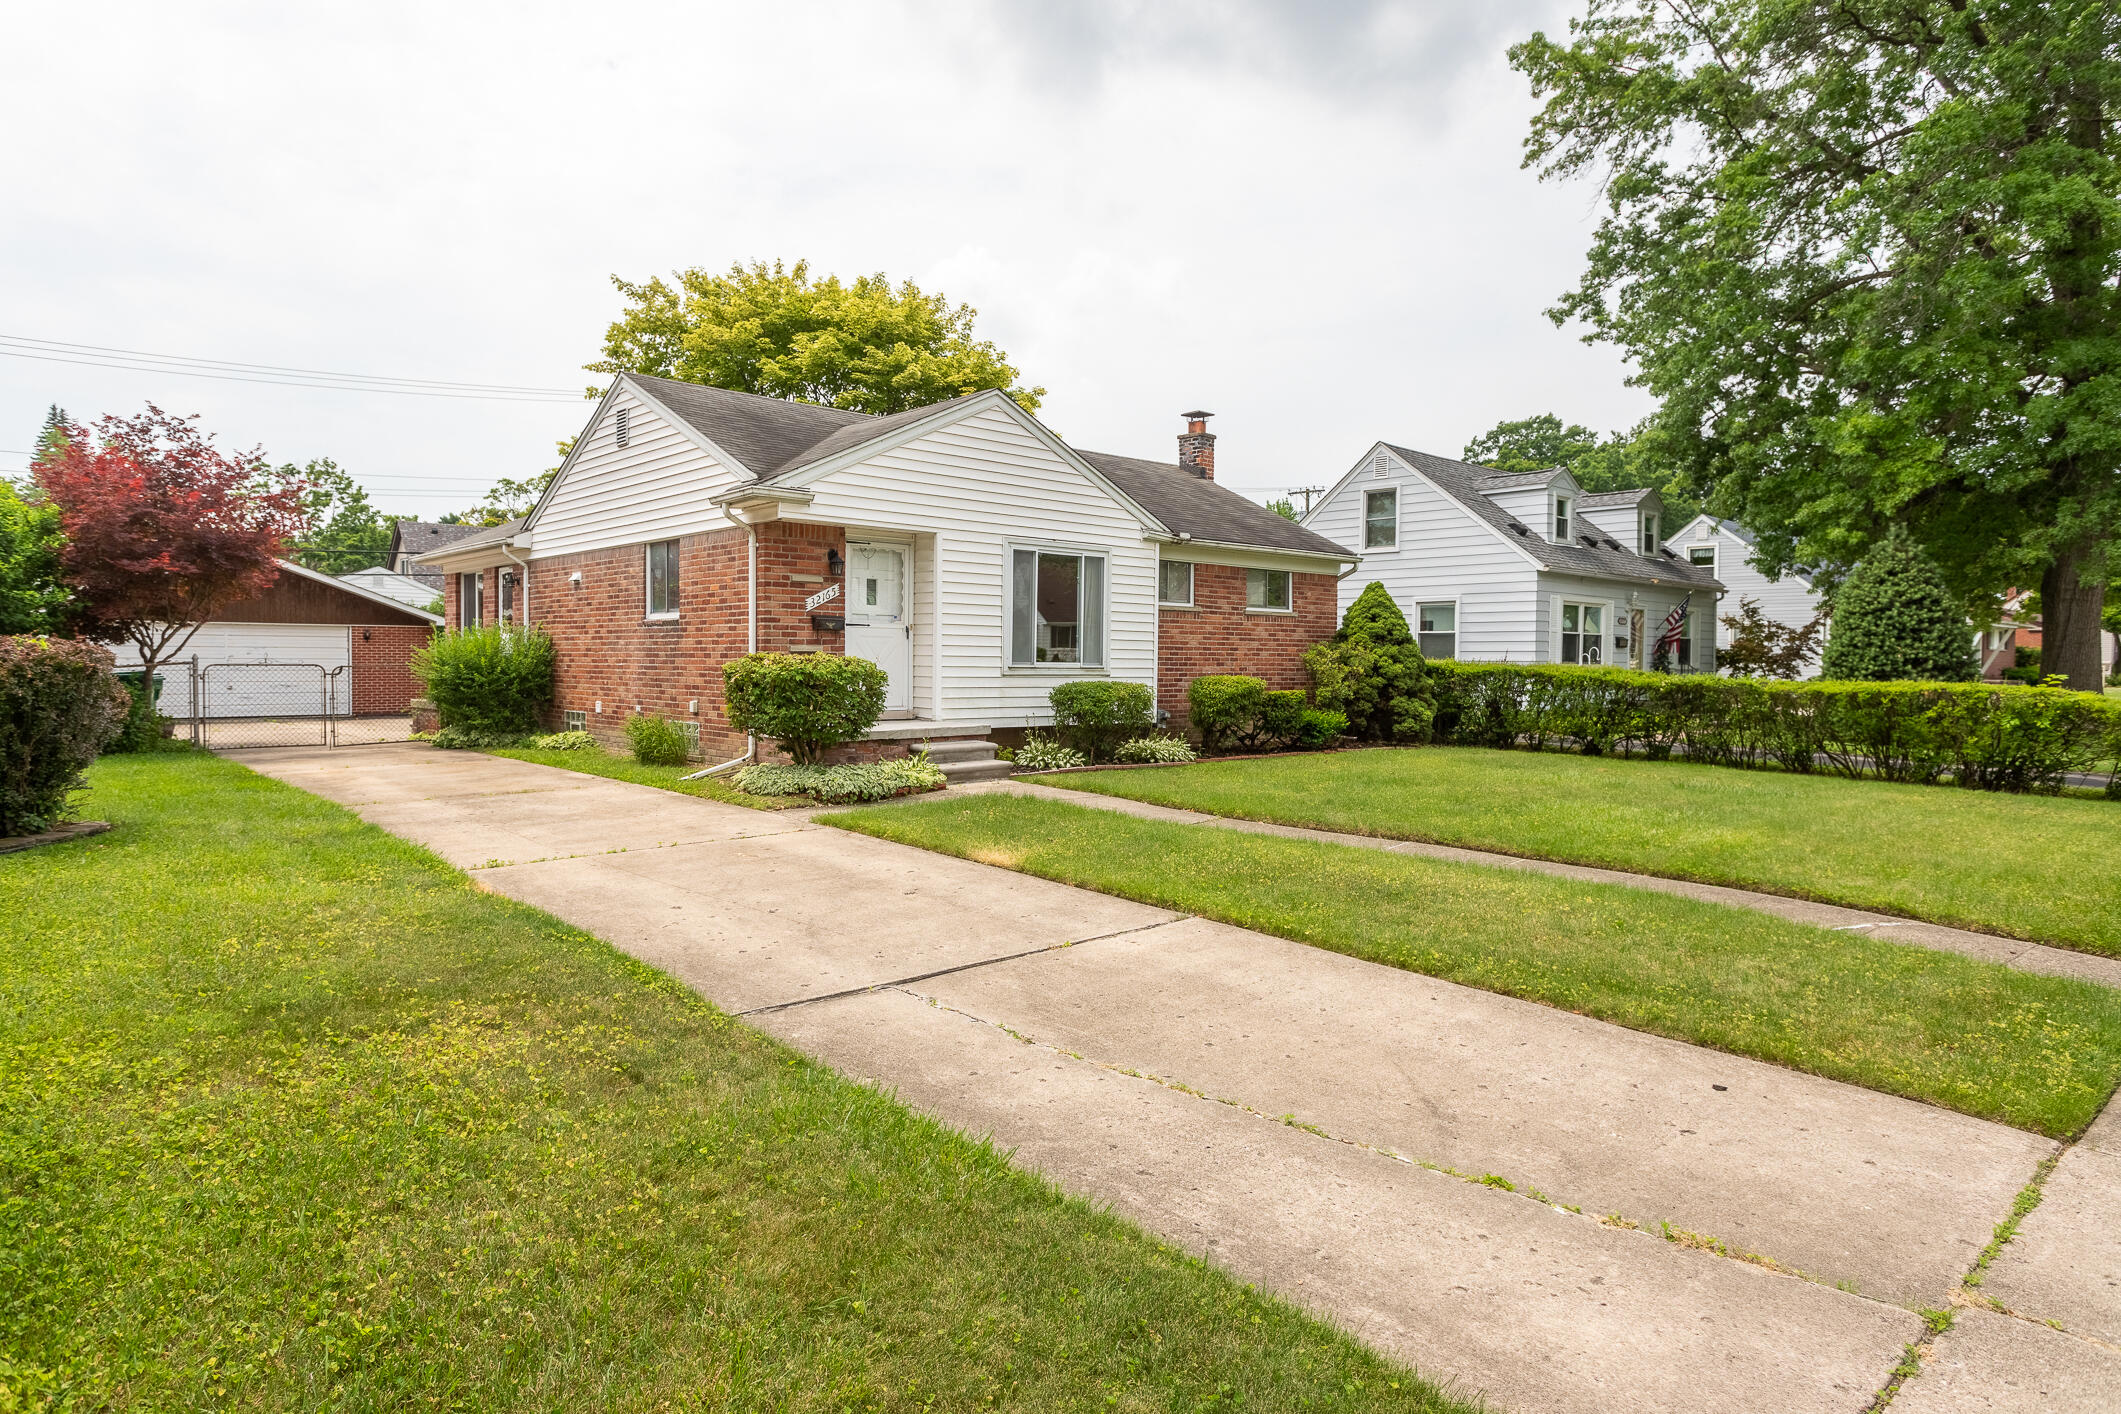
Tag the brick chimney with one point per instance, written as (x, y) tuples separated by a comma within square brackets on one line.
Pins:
[(1196, 448)]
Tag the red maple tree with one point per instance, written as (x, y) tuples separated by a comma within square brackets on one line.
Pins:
[(163, 529)]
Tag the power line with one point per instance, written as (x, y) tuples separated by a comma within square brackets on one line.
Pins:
[(184, 365)]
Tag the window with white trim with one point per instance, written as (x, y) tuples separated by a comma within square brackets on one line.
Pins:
[(469, 608), (1583, 633), (1267, 591), (1703, 555), (1686, 641), (1056, 608), (1174, 582), (1561, 519), (1649, 533), (1438, 632), (1380, 519), (662, 577)]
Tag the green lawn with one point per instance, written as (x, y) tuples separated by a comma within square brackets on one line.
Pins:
[(2039, 867), (2042, 1053), (292, 1116), (595, 761)]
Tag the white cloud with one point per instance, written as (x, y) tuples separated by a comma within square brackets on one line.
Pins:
[(1310, 219)]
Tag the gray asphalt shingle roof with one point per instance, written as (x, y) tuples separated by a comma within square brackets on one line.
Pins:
[(774, 438), (1593, 555)]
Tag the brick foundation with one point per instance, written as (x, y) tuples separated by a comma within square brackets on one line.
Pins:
[(1217, 635)]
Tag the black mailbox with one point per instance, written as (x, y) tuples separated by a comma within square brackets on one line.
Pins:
[(828, 623)]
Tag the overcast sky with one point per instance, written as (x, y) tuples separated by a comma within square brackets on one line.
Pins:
[(1308, 218)]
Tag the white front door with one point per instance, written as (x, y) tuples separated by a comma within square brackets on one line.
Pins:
[(877, 627)]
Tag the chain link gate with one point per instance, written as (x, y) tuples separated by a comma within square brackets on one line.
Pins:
[(247, 704)]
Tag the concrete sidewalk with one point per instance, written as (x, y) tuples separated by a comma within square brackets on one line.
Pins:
[(1295, 1115)]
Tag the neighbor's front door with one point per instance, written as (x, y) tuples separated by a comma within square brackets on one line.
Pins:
[(876, 617)]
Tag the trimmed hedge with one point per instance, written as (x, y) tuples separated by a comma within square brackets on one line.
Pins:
[(1230, 709), (808, 702), (60, 704), (1096, 716), (487, 683), (1983, 736)]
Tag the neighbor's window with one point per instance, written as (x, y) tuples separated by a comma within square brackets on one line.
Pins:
[(1439, 629), (1174, 582), (1686, 641), (663, 580), (1380, 519), (469, 609), (1056, 608), (1267, 589), (1583, 633), (1703, 555), (1561, 518), (1649, 535)]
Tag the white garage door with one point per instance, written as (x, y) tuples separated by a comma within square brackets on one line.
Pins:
[(279, 673)]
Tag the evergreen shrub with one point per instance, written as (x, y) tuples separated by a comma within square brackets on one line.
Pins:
[(60, 704), (1894, 621), (1372, 671), (1094, 717)]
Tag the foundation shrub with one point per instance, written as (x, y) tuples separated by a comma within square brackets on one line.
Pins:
[(60, 704), (1320, 728), (1982, 736), (1044, 753), (487, 682), (1153, 750), (657, 741), (844, 785), (1095, 717), (1223, 704), (808, 702)]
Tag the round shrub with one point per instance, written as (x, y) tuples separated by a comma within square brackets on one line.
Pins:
[(1320, 728), (487, 682), (808, 702), (657, 741), (1093, 717), (1222, 705), (60, 704)]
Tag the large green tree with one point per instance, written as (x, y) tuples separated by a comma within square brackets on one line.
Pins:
[(33, 597), (869, 346), (345, 531), (1622, 462), (1865, 252)]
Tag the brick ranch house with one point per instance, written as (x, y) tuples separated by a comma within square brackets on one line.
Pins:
[(962, 546)]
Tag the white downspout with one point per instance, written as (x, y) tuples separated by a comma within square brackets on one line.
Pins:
[(523, 590), (751, 641)]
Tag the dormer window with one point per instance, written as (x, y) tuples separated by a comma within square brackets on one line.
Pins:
[(1561, 520), (1649, 533)]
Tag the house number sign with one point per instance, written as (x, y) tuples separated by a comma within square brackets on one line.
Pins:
[(824, 596)]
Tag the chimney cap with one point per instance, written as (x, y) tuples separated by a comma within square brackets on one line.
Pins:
[(1196, 414)]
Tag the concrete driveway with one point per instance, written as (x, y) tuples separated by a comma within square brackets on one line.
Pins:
[(1748, 1238)]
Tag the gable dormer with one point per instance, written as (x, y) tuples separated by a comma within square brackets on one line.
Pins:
[(1633, 519), (1546, 500)]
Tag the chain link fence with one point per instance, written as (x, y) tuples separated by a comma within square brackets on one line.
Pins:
[(234, 705)]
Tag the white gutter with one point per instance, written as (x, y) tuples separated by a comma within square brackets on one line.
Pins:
[(751, 643)]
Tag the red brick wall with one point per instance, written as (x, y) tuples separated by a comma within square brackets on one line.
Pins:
[(489, 598), (1217, 635), (382, 672), (609, 651)]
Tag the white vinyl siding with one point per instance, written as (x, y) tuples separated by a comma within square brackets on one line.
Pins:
[(1789, 600), (1445, 553), (654, 487), (965, 495)]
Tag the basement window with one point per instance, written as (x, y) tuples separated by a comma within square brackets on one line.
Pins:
[(574, 721)]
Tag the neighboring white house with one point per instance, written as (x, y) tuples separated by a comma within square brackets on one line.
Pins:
[(1516, 566), (1725, 549), (392, 585)]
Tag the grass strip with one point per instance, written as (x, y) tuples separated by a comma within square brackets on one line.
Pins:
[(2038, 867), (595, 761), (2040, 1053), (292, 1116)]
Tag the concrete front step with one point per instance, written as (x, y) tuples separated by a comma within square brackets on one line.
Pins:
[(961, 773), (944, 752)]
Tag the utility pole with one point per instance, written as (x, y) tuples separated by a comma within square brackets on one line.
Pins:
[(1307, 492)]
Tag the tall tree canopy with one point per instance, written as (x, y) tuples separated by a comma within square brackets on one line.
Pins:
[(163, 529), (868, 346), (33, 598), (1621, 462), (343, 531), (1865, 252)]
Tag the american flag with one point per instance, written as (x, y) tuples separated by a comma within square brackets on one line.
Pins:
[(1674, 628)]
